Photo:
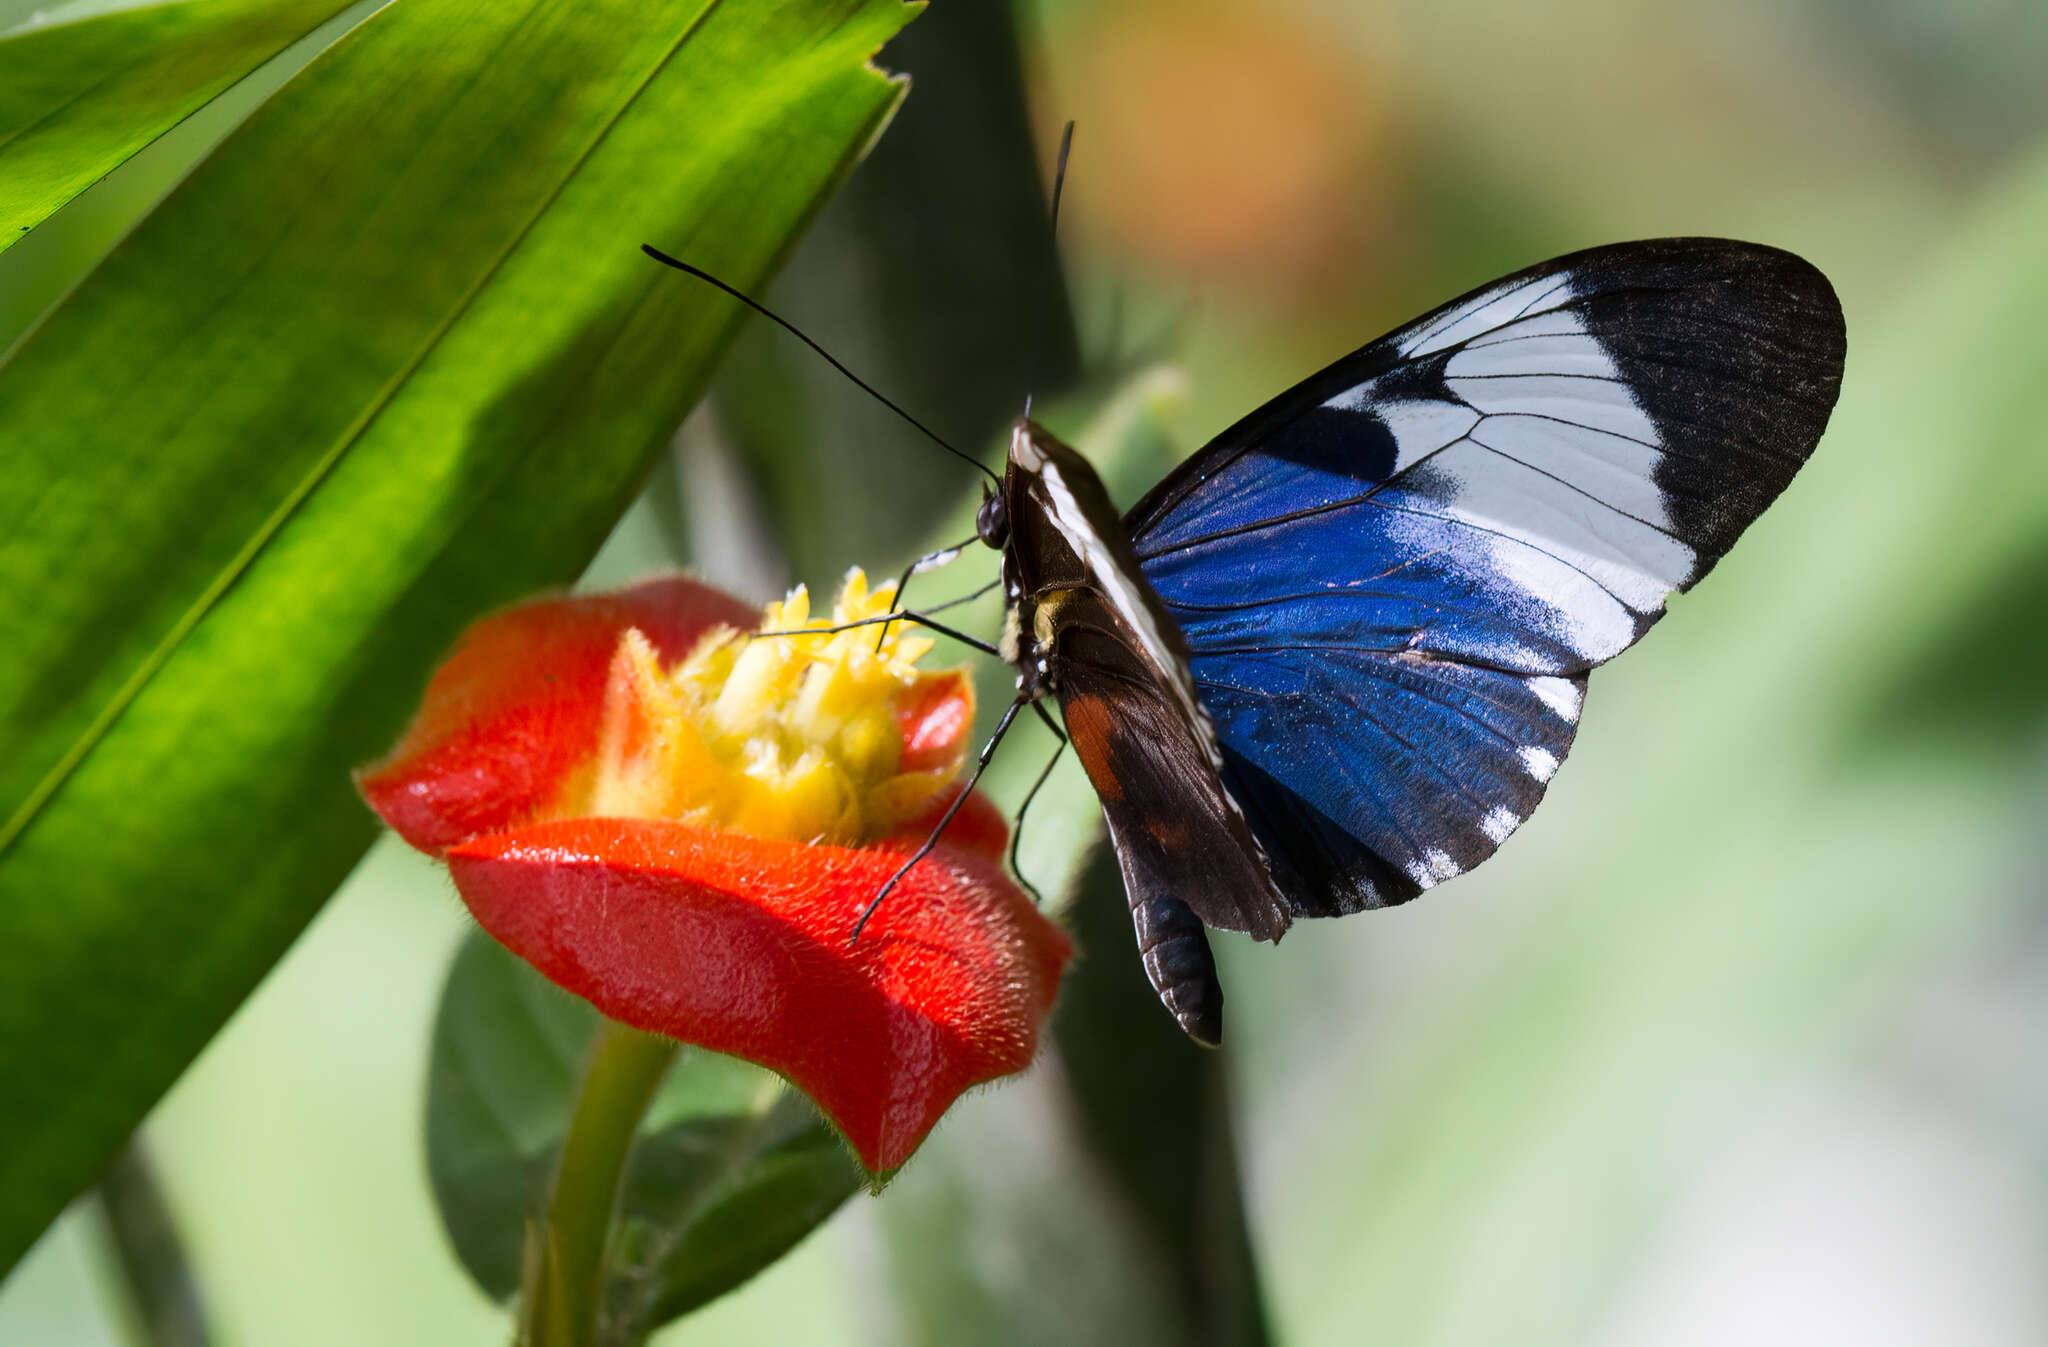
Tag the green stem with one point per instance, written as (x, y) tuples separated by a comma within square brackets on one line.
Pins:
[(563, 1284), (147, 1256)]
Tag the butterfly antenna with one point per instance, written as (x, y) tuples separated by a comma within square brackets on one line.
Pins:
[(830, 359), (1059, 175), (1059, 188)]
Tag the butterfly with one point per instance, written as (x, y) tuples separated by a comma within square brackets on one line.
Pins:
[(1334, 658)]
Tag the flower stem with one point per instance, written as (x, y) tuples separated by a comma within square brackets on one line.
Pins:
[(147, 1256), (563, 1283)]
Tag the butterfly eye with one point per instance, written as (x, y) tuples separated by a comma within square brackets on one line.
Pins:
[(992, 523)]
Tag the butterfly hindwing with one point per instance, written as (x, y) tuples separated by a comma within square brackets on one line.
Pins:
[(1392, 580), (1446, 759), (1184, 848)]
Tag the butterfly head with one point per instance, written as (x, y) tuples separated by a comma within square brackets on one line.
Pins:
[(992, 521)]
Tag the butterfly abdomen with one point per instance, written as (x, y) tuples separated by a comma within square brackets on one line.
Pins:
[(1176, 956)]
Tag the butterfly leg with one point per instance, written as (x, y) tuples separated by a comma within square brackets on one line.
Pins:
[(988, 751), (901, 615), (1017, 828), (930, 561)]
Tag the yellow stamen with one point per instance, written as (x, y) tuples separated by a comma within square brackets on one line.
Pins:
[(793, 736)]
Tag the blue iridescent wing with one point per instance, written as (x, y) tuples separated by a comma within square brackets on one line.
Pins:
[(1394, 578)]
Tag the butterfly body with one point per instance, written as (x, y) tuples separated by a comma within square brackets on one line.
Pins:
[(1083, 625), (1335, 657)]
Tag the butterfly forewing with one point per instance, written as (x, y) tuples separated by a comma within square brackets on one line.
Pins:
[(1392, 580)]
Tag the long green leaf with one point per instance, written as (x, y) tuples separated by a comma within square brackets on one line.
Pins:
[(1155, 1111), (76, 99), (730, 1171), (388, 357), (1970, 648)]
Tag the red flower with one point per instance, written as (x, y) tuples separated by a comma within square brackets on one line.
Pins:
[(682, 826)]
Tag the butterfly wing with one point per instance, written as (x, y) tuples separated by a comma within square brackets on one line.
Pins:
[(1393, 579), (1184, 848)]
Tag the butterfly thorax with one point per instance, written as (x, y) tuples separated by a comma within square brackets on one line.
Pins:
[(1030, 635), (1063, 541)]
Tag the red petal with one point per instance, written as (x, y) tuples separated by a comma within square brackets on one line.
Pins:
[(936, 720), (742, 945), (979, 826), (515, 710)]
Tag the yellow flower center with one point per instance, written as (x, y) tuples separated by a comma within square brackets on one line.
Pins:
[(796, 733)]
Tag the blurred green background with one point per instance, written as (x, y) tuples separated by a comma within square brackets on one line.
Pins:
[(1742, 1039)]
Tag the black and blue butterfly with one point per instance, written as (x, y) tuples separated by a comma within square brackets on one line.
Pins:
[(1336, 656)]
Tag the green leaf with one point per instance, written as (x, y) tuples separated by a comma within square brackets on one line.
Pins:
[(713, 1201), (1155, 1112), (731, 1170), (389, 357), (78, 98), (1961, 653)]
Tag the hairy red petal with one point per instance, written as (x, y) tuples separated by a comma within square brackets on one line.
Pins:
[(742, 945), (979, 826), (514, 713)]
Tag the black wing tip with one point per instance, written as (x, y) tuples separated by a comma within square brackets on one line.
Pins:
[(1800, 288), (1795, 285)]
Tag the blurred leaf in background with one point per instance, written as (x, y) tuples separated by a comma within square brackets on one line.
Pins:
[(1960, 662), (1970, 72), (933, 275)]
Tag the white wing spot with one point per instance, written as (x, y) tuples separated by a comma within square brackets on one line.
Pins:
[(1026, 454), (1420, 428), (1498, 823), (1561, 695), (1491, 309), (1433, 867), (1540, 762)]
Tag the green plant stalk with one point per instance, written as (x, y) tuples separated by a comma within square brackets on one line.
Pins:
[(145, 1255), (563, 1287)]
